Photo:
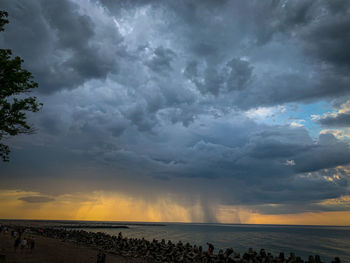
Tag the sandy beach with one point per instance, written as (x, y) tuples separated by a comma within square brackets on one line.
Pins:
[(53, 251)]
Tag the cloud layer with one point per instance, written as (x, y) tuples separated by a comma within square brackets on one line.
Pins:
[(150, 98)]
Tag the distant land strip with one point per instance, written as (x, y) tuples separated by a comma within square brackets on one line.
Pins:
[(92, 226), (81, 224)]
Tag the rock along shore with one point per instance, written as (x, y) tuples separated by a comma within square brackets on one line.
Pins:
[(161, 251)]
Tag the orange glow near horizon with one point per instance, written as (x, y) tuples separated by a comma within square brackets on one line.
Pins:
[(336, 218), (107, 206)]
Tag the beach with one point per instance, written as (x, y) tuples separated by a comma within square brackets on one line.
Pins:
[(54, 251)]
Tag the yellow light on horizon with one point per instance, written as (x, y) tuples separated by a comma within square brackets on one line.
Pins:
[(109, 206)]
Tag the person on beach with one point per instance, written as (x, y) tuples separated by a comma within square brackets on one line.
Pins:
[(3, 229), (29, 239), (17, 242), (101, 257), (32, 244), (20, 232), (210, 248), (24, 243)]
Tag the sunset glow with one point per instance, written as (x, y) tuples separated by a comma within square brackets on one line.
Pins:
[(103, 206)]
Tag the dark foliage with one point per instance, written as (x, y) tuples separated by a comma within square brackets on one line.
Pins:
[(15, 83)]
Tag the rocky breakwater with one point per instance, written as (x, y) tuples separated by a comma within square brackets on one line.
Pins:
[(162, 251)]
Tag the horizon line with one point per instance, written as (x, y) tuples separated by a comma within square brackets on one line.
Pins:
[(165, 222)]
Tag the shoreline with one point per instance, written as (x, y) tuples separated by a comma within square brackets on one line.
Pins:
[(143, 250)]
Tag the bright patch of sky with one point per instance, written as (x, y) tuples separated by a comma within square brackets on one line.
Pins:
[(294, 115)]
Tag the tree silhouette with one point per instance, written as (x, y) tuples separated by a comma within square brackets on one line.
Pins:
[(15, 83)]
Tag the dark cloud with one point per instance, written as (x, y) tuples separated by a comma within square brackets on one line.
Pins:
[(318, 38), (161, 59), (62, 47), (338, 120), (241, 163), (207, 33), (148, 97), (234, 76), (328, 38), (36, 199), (240, 74), (327, 153)]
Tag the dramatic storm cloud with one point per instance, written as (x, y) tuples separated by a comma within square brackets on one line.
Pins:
[(204, 103)]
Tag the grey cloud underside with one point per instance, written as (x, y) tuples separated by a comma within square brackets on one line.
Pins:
[(161, 60), (339, 120), (153, 92), (282, 40), (36, 199), (239, 163), (60, 46)]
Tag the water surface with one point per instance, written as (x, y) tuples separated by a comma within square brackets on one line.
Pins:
[(326, 241)]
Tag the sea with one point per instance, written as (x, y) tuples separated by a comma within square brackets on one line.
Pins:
[(326, 241)]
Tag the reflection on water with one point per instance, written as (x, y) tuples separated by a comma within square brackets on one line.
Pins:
[(328, 242)]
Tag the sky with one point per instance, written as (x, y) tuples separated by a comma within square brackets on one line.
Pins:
[(182, 111)]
